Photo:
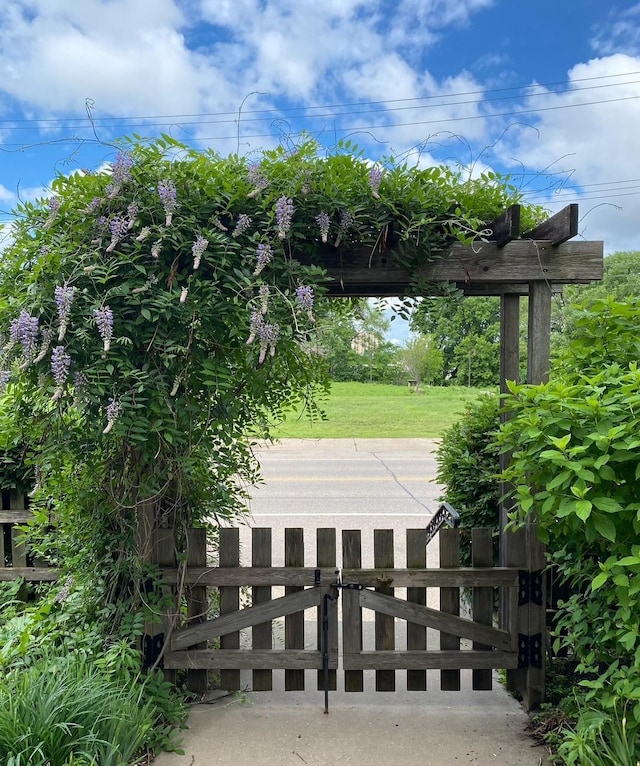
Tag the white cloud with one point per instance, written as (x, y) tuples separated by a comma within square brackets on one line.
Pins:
[(622, 34), (599, 142)]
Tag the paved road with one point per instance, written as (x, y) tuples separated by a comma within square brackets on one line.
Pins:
[(362, 484)]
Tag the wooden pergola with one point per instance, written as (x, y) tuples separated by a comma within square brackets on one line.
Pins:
[(510, 264)]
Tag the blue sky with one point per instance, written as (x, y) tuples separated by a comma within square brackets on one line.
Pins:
[(547, 91)]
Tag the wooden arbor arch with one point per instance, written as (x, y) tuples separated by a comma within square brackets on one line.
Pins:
[(509, 264)]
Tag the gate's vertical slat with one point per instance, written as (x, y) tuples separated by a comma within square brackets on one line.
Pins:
[(164, 555), (326, 557), (449, 603), (294, 623), (230, 601), (416, 634), (385, 624), (482, 604), (18, 551), (3, 529), (261, 635), (351, 611), (197, 602)]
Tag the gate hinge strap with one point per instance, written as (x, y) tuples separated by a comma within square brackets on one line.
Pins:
[(529, 587), (530, 650)]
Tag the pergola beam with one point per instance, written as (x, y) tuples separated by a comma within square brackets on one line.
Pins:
[(362, 272)]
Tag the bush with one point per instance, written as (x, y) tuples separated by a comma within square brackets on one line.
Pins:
[(468, 463), (576, 465)]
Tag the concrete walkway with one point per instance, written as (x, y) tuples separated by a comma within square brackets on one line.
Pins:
[(421, 729)]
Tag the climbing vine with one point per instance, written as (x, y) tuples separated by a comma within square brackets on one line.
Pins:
[(162, 308)]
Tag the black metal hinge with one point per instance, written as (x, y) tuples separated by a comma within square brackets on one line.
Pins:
[(529, 587), (530, 650), (151, 649)]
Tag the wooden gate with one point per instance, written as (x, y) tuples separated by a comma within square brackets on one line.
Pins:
[(408, 616)]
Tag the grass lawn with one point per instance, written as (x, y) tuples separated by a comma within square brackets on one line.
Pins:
[(362, 410)]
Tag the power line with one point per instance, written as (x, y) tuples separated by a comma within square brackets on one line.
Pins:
[(271, 113)]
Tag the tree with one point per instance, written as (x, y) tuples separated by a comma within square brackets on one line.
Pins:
[(422, 359), (621, 281), (451, 320)]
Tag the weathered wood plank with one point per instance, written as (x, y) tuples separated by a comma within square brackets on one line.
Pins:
[(197, 603), (539, 336), (292, 659), (434, 578), (449, 542), (294, 623), (384, 623), (522, 260), (534, 693), (164, 554), (17, 502), (505, 227), (20, 516), (559, 227), (246, 618), (30, 574), (434, 618), (262, 634), (482, 600), (326, 556), (305, 576), (230, 603), (416, 634), (351, 612), (446, 661)]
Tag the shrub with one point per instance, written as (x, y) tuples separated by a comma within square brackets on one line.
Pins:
[(468, 463), (576, 465)]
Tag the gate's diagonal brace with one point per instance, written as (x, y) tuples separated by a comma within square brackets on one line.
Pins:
[(333, 596), (446, 514)]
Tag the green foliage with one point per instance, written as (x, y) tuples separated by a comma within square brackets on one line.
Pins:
[(600, 739), (468, 464), (576, 465), (422, 359), (467, 330)]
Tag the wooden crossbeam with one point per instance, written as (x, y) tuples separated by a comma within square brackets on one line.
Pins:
[(360, 272), (430, 660), (29, 574), (434, 618), (265, 659), (506, 227), (559, 227), (245, 618)]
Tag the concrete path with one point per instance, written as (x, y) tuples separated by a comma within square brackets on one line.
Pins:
[(367, 484)]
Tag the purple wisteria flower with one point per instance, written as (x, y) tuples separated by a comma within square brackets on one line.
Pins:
[(324, 222), (120, 174), (24, 330), (269, 335), (346, 222), (242, 224), (264, 256), (60, 364), (256, 178), (304, 296), (132, 212), (284, 215), (104, 322), (375, 176), (93, 205), (118, 226), (64, 298), (5, 377), (199, 246), (79, 381), (156, 248), (254, 325), (44, 345), (263, 293), (54, 207), (113, 413), (169, 198)]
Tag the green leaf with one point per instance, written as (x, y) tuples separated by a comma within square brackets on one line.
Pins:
[(605, 526), (599, 580), (146, 313), (583, 509), (607, 504)]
